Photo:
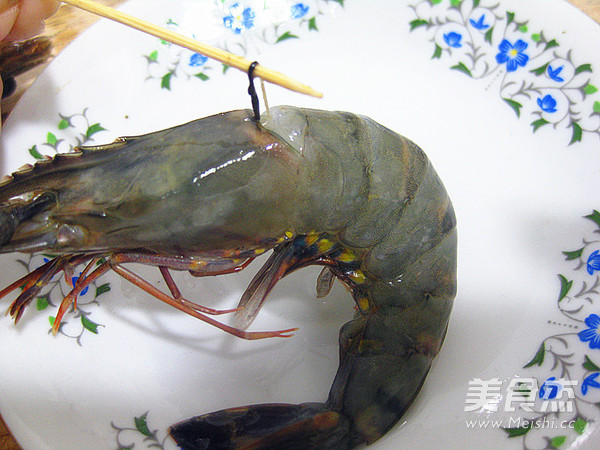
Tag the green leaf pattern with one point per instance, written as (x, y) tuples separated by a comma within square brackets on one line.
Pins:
[(567, 354), (170, 65), (140, 433), (76, 322), (71, 131), (550, 87)]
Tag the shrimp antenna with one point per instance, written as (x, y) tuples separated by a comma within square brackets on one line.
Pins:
[(252, 91)]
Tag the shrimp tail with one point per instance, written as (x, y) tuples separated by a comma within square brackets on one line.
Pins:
[(308, 425)]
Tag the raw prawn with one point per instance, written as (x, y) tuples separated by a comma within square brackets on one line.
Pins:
[(328, 188)]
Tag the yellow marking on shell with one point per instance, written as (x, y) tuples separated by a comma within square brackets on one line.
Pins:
[(259, 251), (363, 304), (311, 238), (324, 245), (285, 237), (198, 264), (358, 276), (346, 256)]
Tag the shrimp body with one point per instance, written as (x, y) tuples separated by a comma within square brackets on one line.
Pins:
[(315, 187)]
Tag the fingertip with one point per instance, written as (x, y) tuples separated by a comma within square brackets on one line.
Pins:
[(30, 18), (8, 18)]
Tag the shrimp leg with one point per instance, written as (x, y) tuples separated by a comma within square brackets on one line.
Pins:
[(177, 301)]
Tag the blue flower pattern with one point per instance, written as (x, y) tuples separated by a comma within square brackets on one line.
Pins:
[(593, 262), (592, 333), (590, 381), (74, 283), (547, 104), (483, 40), (453, 39), (550, 389), (513, 55), (479, 23), (299, 10), (197, 60), (239, 18), (554, 74), (241, 25)]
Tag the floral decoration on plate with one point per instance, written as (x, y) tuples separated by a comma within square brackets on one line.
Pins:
[(140, 433), (74, 326), (540, 80), (238, 26), (71, 131), (562, 398)]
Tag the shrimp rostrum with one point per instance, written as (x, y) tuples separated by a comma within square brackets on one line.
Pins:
[(328, 188)]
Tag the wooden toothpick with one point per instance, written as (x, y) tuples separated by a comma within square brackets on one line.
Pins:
[(226, 58)]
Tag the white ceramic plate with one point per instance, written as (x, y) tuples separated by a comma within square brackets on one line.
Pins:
[(502, 95)]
